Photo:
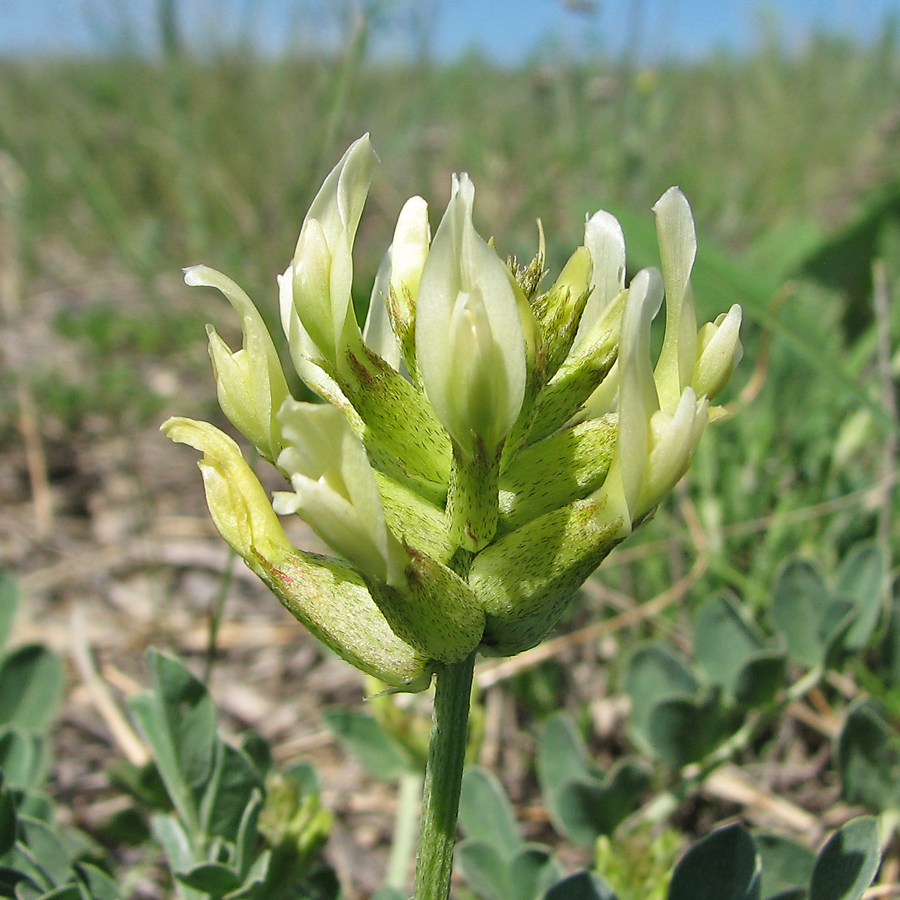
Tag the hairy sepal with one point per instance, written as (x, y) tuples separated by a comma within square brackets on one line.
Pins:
[(526, 579)]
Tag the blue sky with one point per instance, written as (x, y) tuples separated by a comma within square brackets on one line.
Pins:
[(506, 30)]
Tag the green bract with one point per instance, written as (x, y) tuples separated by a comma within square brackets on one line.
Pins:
[(483, 445)]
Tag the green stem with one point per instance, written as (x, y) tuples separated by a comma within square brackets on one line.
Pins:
[(443, 779)]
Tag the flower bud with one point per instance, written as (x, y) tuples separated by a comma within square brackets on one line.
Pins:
[(581, 373), (412, 238), (560, 311), (335, 492), (390, 323), (322, 269), (250, 383), (719, 352), (470, 344), (377, 333), (605, 242)]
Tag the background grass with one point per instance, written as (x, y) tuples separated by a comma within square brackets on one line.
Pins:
[(134, 167)]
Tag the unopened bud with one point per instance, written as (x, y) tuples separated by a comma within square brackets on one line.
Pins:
[(250, 383), (719, 352), (335, 491), (470, 345)]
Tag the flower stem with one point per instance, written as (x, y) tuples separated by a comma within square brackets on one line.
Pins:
[(443, 779)]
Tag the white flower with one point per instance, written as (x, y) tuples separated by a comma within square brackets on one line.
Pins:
[(335, 491), (237, 502), (719, 352), (677, 249), (322, 269), (638, 399), (250, 383), (654, 446), (605, 241), (703, 360), (470, 344), (409, 249), (397, 282)]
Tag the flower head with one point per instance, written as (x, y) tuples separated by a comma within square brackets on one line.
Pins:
[(483, 444)]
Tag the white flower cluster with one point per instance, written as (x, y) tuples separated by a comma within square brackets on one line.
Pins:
[(483, 444)]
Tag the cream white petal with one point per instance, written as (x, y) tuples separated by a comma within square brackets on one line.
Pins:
[(304, 353), (322, 268), (335, 520), (637, 400), (677, 238), (237, 502), (335, 490), (470, 344), (339, 203), (673, 439), (322, 446), (377, 332), (637, 390), (605, 241), (409, 250)]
